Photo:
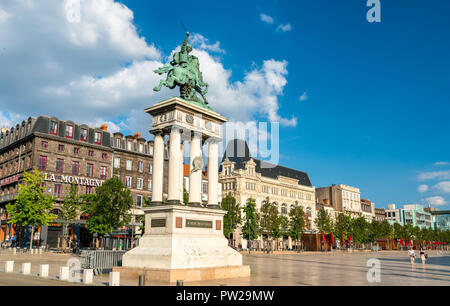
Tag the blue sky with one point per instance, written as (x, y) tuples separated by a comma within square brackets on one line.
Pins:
[(377, 94), (378, 101)]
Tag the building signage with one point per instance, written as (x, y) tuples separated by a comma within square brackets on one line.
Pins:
[(158, 223), (68, 179), (9, 180), (199, 223)]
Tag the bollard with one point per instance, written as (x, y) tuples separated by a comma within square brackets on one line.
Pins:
[(88, 276), (179, 283), (26, 268), (43, 271), (114, 278), (9, 266), (141, 280), (64, 273)]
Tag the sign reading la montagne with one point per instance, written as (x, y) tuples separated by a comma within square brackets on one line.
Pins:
[(68, 179)]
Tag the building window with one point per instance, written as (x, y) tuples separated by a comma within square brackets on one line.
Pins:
[(91, 153), (75, 167), (151, 150), (141, 148), (98, 138), (103, 171), (69, 131), (53, 127), (116, 162), (129, 165), (128, 181), (76, 151), (150, 168), (149, 184), (140, 182), (283, 209), (42, 162), (58, 190), (90, 170), (60, 148), (205, 187), (44, 144), (83, 134), (118, 142), (129, 145), (59, 165), (140, 166), (104, 156), (89, 190), (139, 201)]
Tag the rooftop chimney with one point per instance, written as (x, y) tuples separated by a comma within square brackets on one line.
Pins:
[(137, 135)]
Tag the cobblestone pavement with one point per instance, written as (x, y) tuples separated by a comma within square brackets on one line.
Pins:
[(287, 269)]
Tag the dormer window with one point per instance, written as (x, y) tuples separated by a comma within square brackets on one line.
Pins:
[(118, 145), (53, 127), (69, 131), (98, 138), (129, 145), (83, 134)]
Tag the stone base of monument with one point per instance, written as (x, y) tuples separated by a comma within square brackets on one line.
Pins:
[(183, 243)]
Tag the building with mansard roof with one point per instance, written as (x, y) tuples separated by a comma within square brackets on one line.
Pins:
[(67, 152), (244, 177)]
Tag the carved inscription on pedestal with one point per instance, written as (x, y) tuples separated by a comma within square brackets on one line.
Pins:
[(199, 223), (158, 223)]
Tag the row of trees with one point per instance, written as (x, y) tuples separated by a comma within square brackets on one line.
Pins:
[(275, 225), (268, 221), (106, 210)]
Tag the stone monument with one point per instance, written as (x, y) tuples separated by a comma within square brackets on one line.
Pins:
[(184, 242)]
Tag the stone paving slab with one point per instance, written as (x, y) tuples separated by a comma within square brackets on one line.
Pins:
[(286, 269)]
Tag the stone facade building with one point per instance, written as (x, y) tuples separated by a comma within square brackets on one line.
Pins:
[(245, 177), (67, 152), (342, 198), (368, 210), (380, 214)]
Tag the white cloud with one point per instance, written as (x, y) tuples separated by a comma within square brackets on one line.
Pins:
[(436, 201), (442, 187), (441, 163), (200, 42), (303, 97), (422, 188), (267, 19), (100, 69), (434, 175), (284, 27)]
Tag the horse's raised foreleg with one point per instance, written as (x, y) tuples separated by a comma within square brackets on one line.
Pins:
[(158, 88)]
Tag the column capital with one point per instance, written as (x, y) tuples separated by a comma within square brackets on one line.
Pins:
[(157, 132)]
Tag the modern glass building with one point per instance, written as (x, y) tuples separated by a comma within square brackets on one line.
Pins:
[(413, 214)]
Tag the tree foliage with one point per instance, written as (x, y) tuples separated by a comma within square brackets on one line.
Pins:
[(323, 221), (32, 206), (250, 228), (109, 208), (233, 217)]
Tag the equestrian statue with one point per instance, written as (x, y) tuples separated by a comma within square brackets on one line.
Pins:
[(184, 71)]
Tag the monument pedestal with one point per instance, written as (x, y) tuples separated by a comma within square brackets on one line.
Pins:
[(183, 243)]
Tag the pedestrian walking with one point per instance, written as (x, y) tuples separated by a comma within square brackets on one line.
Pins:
[(423, 256), (13, 241), (412, 255)]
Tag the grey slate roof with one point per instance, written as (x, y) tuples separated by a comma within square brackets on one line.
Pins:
[(237, 151)]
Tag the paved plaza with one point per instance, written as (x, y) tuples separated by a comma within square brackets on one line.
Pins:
[(287, 269)]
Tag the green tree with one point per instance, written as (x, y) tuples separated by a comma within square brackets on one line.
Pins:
[(271, 220), (70, 210), (250, 229), (386, 230), (109, 207), (298, 223), (233, 217), (323, 221), (342, 226), (32, 207), (284, 227), (360, 230)]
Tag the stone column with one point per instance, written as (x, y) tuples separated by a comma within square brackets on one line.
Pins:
[(213, 174), (174, 166), (195, 177), (158, 168), (182, 172)]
